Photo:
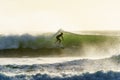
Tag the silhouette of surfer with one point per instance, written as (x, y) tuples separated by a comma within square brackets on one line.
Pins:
[(58, 37)]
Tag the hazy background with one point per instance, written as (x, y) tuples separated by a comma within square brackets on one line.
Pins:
[(35, 16)]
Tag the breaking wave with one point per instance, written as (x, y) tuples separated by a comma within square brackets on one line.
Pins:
[(86, 76), (44, 45), (48, 40), (82, 69), (105, 48)]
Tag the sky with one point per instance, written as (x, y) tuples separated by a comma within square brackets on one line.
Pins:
[(36, 16)]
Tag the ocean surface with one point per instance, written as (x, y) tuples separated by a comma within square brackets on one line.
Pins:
[(91, 55)]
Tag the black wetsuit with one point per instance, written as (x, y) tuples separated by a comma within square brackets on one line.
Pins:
[(58, 37)]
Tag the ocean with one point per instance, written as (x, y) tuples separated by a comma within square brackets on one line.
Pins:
[(87, 55)]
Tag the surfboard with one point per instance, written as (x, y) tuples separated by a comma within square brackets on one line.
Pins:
[(57, 45)]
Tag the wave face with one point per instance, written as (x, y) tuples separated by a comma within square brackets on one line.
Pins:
[(48, 41), (44, 45)]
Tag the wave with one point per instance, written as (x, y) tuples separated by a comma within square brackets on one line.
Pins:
[(48, 41), (82, 69), (99, 75), (43, 45), (75, 66)]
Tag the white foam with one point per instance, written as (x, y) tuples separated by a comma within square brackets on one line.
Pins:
[(40, 60)]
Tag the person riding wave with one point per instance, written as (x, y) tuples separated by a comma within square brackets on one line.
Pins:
[(58, 37)]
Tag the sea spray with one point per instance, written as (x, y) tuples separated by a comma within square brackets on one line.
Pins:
[(44, 45)]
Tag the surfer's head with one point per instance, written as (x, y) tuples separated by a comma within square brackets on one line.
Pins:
[(61, 33)]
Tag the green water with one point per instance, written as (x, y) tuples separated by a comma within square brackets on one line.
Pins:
[(73, 43)]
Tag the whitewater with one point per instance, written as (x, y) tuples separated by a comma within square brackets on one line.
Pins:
[(85, 57)]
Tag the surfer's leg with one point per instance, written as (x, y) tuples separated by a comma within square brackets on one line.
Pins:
[(59, 41)]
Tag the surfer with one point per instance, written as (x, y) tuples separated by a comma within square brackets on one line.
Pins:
[(58, 37)]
